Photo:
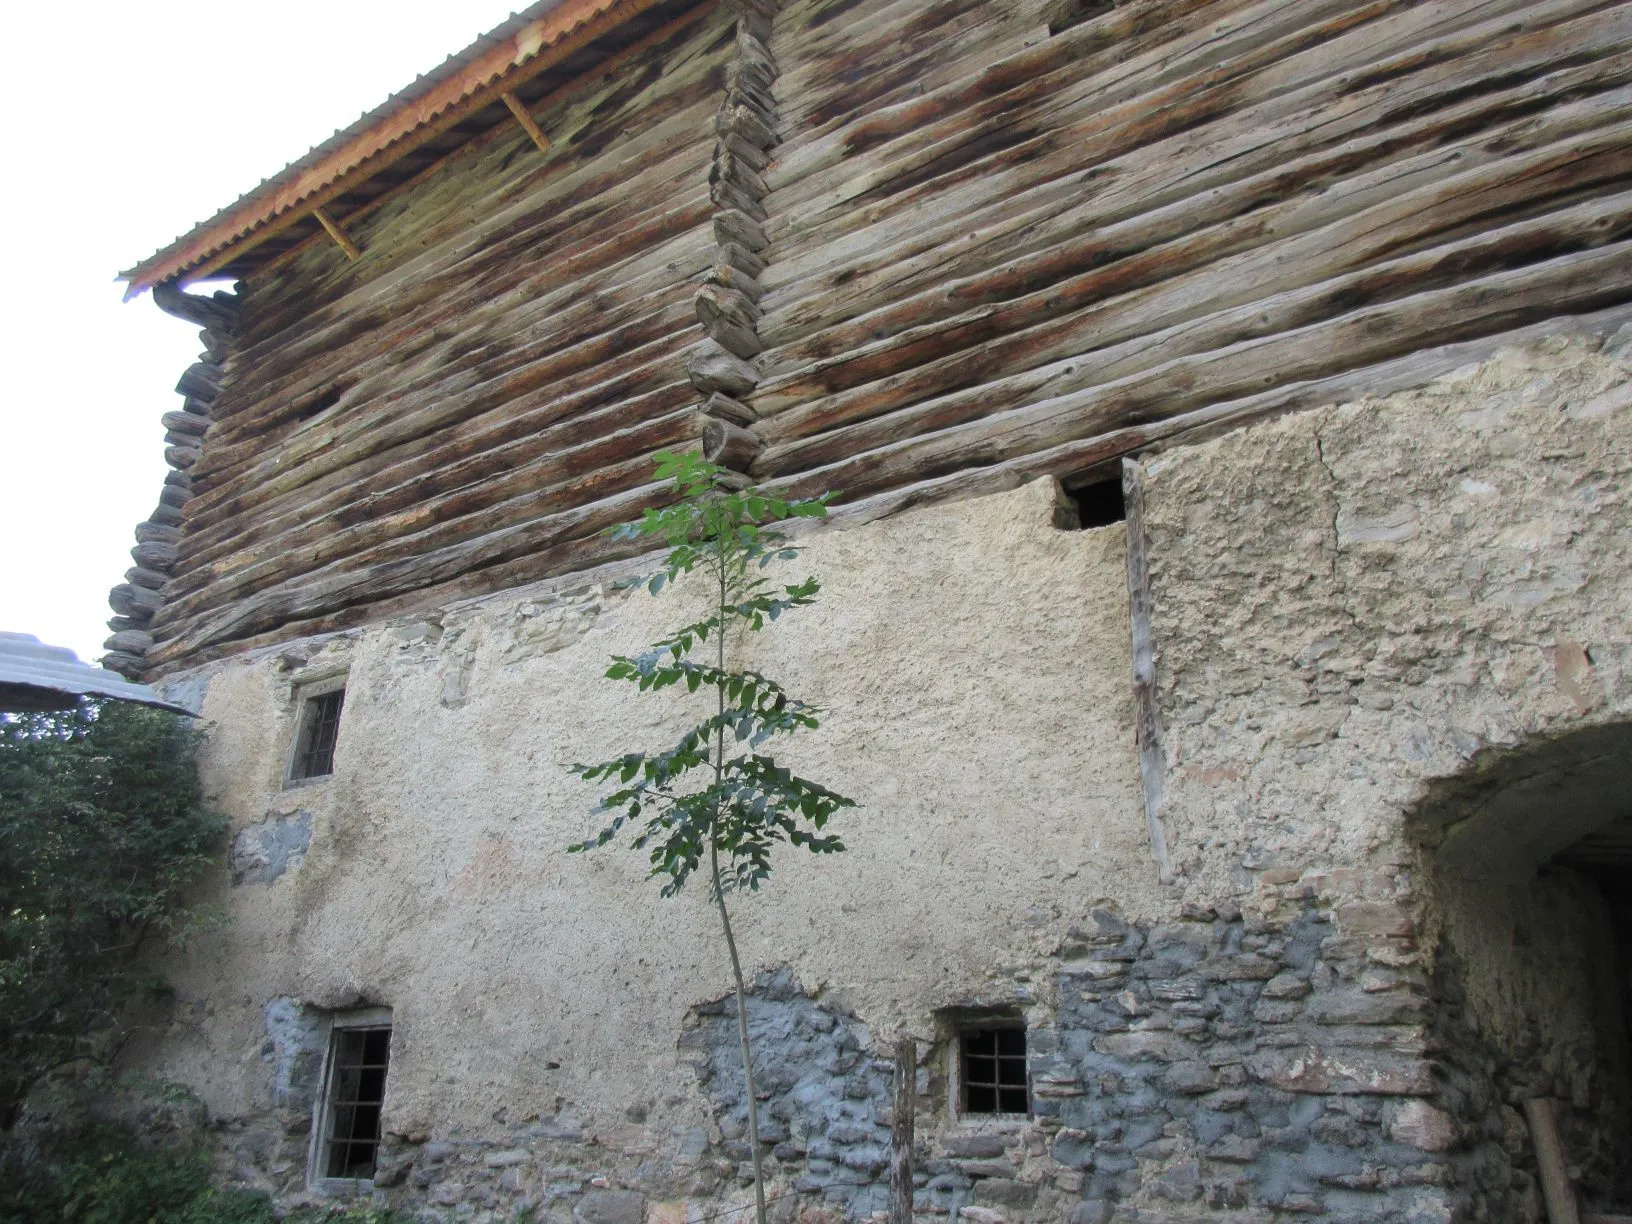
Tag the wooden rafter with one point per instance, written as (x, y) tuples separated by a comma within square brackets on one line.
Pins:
[(341, 240), (526, 120)]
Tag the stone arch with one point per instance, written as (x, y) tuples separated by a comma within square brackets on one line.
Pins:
[(1526, 878)]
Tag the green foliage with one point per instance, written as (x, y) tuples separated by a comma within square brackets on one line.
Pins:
[(109, 1175), (103, 828), (701, 797)]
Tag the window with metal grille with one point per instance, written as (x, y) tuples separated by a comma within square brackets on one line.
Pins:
[(319, 728), (348, 1133), (992, 1070)]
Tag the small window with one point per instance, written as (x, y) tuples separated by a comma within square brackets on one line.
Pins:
[(992, 1070), (346, 1137), (1093, 505), (315, 739)]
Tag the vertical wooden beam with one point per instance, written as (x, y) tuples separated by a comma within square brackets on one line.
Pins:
[(1147, 727), (525, 118), (339, 235), (901, 1128), (1556, 1190)]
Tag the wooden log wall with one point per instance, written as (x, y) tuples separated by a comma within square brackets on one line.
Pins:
[(899, 248), (996, 239), (136, 600), (469, 404)]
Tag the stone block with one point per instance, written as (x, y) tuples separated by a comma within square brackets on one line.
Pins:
[(610, 1207), (1418, 1124), (1157, 1044), (1308, 1069)]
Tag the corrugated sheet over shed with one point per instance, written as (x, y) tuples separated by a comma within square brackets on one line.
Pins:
[(34, 676)]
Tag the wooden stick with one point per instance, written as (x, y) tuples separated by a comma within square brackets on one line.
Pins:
[(1147, 727), (901, 1121), (1555, 1178), (525, 118), (339, 235)]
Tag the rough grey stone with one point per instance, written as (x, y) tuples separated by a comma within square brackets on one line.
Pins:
[(610, 1207), (263, 851)]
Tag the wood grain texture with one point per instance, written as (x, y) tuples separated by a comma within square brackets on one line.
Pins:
[(898, 248)]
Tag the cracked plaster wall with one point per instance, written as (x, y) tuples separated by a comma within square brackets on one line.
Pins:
[(973, 660), (1354, 605)]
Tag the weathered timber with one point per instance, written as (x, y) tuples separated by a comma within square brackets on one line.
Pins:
[(1556, 1189), (978, 253), (713, 369), (1099, 456), (130, 641), (154, 554), (189, 423), (1389, 283), (123, 662), (141, 576), (201, 381), (730, 445), (1404, 202), (728, 409), (1579, 283), (1147, 724), (904, 1103), (605, 465), (134, 601), (736, 228), (157, 533), (218, 313)]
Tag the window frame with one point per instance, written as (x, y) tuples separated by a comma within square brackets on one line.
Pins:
[(322, 1108), (957, 1097), (305, 698)]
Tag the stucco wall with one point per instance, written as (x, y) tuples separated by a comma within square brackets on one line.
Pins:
[(1395, 663), (1354, 607), (973, 660), (1353, 601)]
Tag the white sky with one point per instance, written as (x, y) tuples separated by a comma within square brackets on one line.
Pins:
[(129, 123)]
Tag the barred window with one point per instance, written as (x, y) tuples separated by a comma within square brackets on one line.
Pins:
[(346, 1137), (992, 1070), (315, 738)]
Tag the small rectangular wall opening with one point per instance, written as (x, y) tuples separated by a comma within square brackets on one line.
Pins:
[(1095, 505), (316, 734), (992, 1076), (346, 1131)]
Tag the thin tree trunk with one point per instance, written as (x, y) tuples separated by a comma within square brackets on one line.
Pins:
[(725, 917), (742, 1038)]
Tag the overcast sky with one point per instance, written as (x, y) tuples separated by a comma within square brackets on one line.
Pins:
[(131, 122)]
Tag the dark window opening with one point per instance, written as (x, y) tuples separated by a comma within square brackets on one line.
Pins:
[(993, 1071), (1092, 505), (357, 1064), (319, 728)]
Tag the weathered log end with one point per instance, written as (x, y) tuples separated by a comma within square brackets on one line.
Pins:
[(713, 369), (730, 445)]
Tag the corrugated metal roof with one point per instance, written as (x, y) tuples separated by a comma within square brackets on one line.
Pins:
[(34, 676), (528, 42)]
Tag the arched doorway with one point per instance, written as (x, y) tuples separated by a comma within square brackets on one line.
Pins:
[(1527, 890)]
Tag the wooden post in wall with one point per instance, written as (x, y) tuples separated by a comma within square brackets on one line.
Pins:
[(1147, 726), (1556, 1190), (906, 1092)]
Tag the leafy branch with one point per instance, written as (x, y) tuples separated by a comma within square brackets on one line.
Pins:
[(715, 796)]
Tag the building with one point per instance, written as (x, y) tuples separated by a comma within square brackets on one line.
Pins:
[(1225, 627)]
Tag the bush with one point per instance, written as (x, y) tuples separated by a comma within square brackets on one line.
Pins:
[(109, 1175), (103, 829)]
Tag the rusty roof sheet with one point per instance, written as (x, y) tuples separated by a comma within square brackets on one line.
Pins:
[(34, 676), (527, 43)]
